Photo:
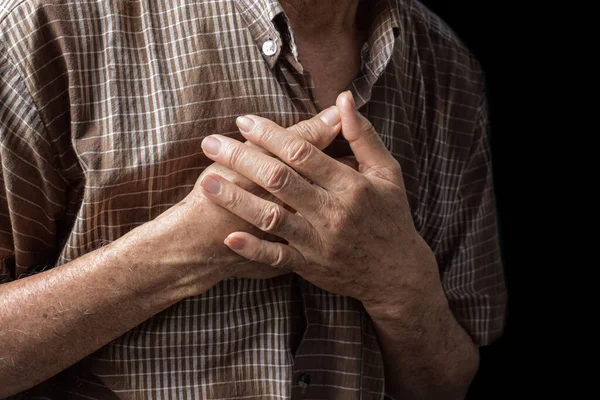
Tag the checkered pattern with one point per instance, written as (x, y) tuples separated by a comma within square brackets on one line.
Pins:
[(103, 105)]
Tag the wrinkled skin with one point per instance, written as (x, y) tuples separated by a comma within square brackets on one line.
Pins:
[(182, 219), (353, 233)]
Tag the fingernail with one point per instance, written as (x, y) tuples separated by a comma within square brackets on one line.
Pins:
[(245, 124), (211, 146), (235, 244), (331, 116), (211, 185)]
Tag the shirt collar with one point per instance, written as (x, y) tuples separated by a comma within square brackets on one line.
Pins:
[(385, 28), (384, 38), (259, 17)]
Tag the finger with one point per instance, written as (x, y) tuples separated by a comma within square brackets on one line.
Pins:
[(277, 255), (267, 172), (298, 153), (232, 176), (257, 148), (370, 151), (320, 130), (265, 215)]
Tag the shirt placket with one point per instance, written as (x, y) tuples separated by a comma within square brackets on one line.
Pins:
[(328, 317), (336, 337)]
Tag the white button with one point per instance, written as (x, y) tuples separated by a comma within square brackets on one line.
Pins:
[(269, 47)]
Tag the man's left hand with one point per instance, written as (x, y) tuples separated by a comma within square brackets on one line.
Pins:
[(352, 232)]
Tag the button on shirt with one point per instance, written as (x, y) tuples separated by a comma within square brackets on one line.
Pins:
[(103, 106), (269, 48)]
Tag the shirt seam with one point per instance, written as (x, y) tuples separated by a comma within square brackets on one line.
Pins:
[(478, 123), (4, 48)]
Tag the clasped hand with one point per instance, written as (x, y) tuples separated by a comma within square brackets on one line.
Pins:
[(347, 231)]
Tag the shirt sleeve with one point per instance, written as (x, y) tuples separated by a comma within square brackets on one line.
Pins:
[(473, 273), (32, 189)]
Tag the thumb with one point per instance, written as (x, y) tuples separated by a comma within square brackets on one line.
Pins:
[(321, 129), (371, 154)]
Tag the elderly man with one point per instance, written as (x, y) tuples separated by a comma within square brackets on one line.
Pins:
[(241, 199)]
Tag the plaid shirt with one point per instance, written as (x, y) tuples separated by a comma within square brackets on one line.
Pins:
[(103, 105)]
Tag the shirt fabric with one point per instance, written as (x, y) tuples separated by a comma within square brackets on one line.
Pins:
[(103, 106)]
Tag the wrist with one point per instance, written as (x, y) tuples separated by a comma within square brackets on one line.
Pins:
[(410, 308), (153, 261), (416, 293)]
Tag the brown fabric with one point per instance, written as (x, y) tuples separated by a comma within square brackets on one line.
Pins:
[(103, 105)]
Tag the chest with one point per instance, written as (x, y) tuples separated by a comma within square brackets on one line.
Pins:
[(138, 133)]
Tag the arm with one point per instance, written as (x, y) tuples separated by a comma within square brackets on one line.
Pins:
[(53, 319), (426, 353), (430, 345)]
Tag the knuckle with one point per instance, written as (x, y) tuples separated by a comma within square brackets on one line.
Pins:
[(278, 257), (307, 131), (299, 152), (264, 131), (366, 126), (359, 190), (340, 220), (339, 217), (271, 219), (233, 199), (258, 255), (236, 154), (277, 179)]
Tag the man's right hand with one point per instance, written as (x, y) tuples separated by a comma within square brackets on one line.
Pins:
[(84, 304)]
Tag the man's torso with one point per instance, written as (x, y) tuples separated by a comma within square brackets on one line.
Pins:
[(127, 90)]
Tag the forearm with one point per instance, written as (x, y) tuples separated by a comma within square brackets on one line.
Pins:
[(53, 319), (426, 353)]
